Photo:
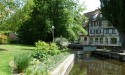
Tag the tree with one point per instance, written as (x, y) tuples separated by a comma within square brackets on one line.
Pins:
[(63, 14), (114, 12), (7, 7), (20, 14)]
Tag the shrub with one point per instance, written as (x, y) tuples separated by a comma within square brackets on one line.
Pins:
[(21, 61), (42, 46), (12, 37), (62, 42), (41, 51), (53, 49), (3, 39), (38, 54), (44, 49)]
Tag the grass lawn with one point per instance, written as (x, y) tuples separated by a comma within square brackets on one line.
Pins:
[(7, 53)]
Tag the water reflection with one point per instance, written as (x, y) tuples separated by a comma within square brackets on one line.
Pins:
[(92, 66)]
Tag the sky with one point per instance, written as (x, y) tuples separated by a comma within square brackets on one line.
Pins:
[(90, 4)]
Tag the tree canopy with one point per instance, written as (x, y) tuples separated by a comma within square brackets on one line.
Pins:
[(19, 11), (114, 12), (63, 14), (7, 7)]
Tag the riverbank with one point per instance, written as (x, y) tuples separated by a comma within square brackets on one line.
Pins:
[(107, 54), (95, 66), (65, 67)]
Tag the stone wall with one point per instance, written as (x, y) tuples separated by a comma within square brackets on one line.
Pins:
[(65, 67)]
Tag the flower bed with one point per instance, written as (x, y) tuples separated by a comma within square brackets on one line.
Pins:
[(42, 60), (49, 64)]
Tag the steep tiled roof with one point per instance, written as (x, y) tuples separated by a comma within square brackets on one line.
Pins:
[(90, 14)]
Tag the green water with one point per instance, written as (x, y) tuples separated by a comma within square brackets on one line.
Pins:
[(93, 66)]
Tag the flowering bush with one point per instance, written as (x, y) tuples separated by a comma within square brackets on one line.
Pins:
[(3, 39), (12, 37), (62, 42)]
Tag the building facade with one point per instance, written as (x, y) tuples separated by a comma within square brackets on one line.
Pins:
[(100, 32)]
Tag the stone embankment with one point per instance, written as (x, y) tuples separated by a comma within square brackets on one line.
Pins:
[(111, 55), (65, 67)]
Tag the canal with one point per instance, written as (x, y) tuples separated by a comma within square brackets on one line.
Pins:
[(94, 66)]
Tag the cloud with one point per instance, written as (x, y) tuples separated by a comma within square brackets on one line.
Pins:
[(91, 4)]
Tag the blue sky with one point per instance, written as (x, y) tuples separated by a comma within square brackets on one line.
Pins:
[(91, 4)]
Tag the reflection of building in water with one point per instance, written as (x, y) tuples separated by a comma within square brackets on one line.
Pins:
[(98, 67)]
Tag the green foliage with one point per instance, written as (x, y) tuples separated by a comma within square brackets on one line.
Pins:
[(43, 46), (5, 11), (8, 37), (12, 38), (45, 58), (114, 12), (47, 65), (38, 54), (7, 53), (17, 15), (63, 14), (37, 70), (3, 39), (53, 49), (44, 49), (110, 11), (21, 61)]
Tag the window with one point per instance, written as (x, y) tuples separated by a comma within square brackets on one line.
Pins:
[(98, 23), (113, 40), (85, 38), (90, 31), (96, 31), (91, 40), (114, 31), (107, 31), (93, 31), (110, 31), (101, 40), (96, 40), (106, 40), (99, 31)]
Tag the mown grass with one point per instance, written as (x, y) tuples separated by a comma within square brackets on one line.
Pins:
[(7, 53)]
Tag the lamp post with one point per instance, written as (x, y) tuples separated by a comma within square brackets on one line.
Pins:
[(53, 32)]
